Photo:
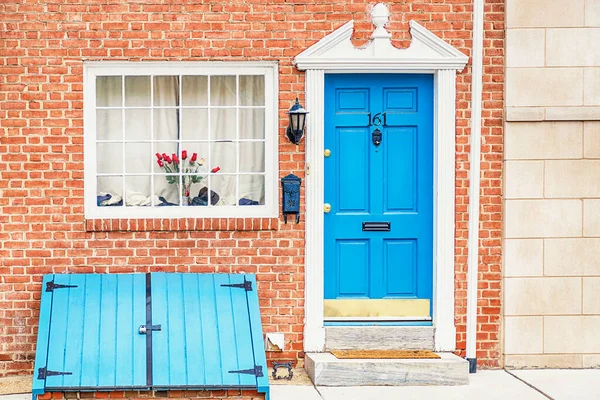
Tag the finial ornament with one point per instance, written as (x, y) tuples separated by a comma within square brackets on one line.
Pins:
[(380, 16)]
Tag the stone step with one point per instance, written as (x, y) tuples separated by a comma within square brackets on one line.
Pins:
[(326, 370), (379, 338)]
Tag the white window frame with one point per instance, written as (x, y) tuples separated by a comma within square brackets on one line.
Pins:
[(269, 70)]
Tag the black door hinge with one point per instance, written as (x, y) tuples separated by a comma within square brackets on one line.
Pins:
[(44, 372), (256, 371), (50, 286), (246, 285)]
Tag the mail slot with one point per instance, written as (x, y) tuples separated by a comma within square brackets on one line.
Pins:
[(376, 226)]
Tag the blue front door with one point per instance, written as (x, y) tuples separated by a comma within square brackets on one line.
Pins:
[(379, 186)]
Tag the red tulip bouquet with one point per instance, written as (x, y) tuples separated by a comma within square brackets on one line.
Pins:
[(191, 168)]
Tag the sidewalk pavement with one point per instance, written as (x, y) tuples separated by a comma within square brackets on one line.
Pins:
[(562, 384), (488, 385)]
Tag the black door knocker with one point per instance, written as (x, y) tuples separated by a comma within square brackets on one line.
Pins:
[(376, 136)]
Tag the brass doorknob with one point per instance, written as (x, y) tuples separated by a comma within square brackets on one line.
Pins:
[(327, 153), (326, 207)]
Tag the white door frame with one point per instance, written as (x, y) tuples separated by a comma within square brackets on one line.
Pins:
[(426, 54)]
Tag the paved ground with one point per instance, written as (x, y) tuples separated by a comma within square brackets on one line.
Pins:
[(562, 384), (488, 385)]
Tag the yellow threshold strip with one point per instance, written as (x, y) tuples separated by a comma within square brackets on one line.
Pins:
[(379, 309)]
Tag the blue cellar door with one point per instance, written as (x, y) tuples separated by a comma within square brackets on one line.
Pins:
[(211, 333), (389, 183), (163, 331), (88, 337)]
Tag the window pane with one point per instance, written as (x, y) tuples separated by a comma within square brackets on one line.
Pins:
[(137, 191), (252, 190), (137, 124), (166, 91), (223, 155), (201, 150), (137, 91), (194, 123), (222, 91), (198, 193), (252, 157), (252, 123), (195, 90), (164, 148), (166, 193), (137, 157), (166, 124), (223, 123), (109, 124), (252, 90), (225, 188), (219, 118), (109, 91), (109, 191), (109, 158)]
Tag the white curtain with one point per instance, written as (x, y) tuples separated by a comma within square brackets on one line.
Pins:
[(220, 148)]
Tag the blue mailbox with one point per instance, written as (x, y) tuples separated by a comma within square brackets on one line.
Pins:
[(290, 185)]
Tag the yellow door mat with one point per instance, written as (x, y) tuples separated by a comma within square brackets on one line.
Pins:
[(384, 354)]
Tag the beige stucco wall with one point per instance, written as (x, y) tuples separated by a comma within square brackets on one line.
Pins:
[(552, 184)]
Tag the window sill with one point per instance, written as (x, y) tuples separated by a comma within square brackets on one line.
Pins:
[(182, 224)]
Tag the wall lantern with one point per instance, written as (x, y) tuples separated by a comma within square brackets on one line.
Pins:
[(295, 130)]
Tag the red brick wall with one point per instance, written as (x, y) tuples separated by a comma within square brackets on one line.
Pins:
[(42, 225), (489, 291)]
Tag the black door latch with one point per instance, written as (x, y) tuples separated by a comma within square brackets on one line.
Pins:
[(145, 329)]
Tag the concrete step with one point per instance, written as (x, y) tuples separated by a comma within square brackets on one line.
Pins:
[(326, 370), (379, 338)]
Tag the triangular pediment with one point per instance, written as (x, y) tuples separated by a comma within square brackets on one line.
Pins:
[(336, 52)]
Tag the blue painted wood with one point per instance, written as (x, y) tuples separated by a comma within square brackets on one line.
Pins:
[(161, 359), (41, 351), (130, 345), (75, 328), (207, 331), (210, 331), (57, 343), (195, 361), (258, 345), (400, 277), (242, 330), (352, 170), (138, 341), (354, 256), (175, 329), (392, 182), (94, 335), (91, 340), (401, 159), (108, 320)]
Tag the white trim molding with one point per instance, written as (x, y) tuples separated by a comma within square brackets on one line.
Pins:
[(474, 184), (336, 51), (426, 54)]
